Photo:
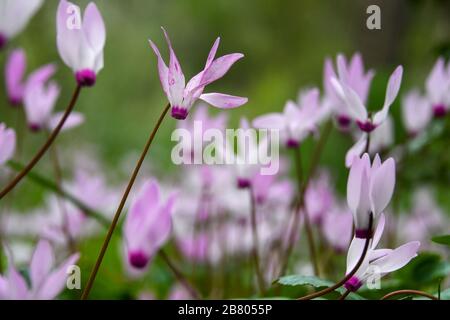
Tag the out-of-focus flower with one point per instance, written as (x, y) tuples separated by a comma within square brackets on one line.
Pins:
[(355, 106), (319, 198), (296, 122), (15, 15), (7, 143), (248, 153), (148, 224), (337, 228), (46, 280), (181, 95), (416, 112), (80, 43), (357, 79), (438, 88), (178, 292), (369, 190), (39, 100), (380, 139), (424, 219), (379, 261), (14, 76)]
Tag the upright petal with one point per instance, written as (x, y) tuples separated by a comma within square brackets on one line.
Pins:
[(7, 143), (392, 89), (382, 185), (41, 262), (14, 74), (176, 79), (94, 27), (163, 70), (219, 68)]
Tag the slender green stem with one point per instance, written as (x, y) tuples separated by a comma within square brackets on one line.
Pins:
[(179, 275), (115, 220), (255, 249), (366, 148), (402, 292), (350, 274), (44, 148), (302, 186)]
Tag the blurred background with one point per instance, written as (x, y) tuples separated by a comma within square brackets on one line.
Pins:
[(285, 44)]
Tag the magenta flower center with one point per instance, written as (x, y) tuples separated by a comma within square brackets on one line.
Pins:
[(15, 101), (363, 233), (243, 183), (353, 284), (292, 143), (3, 41), (138, 259), (85, 77), (34, 127), (343, 121), (439, 110), (179, 113), (366, 126)]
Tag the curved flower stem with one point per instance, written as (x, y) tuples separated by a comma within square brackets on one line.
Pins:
[(344, 295), (255, 253), (179, 275), (349, 275), (62, 206), (401, 292), (94, 271), (50, 185), (45, 147), (302, 188)]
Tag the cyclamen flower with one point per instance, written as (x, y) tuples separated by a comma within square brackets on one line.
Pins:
[(80, 43), (416, 113), (369, 191), (15, 15), (380, 261), (438, 88), (14, 76), (181, 95), (46, 280), (7, 143), (147, 225), (39, 100), (296, 122), (357, 79), (319, 198), (380, 139), (356, 108)]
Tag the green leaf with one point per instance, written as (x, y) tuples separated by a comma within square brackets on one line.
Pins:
[(445, 240), (298, 280)]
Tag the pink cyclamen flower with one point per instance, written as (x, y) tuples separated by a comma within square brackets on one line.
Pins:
[(14, 76), (147, 225), (46, 280), (296, 121), (7, 143), (39, 100), (181, 95), (80, 43), (354, 104), (416, 113), (377, 261), (319, 198), (438, 88), (357, 79), (369, 190), (15, 15)]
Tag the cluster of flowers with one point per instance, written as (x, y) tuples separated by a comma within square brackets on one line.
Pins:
[(209, 213)]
